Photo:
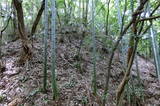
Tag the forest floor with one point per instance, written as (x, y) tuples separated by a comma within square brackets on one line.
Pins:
[(19, 85)]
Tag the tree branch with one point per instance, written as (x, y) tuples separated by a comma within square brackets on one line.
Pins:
[(133, 20), (6, 25), (33, 30), (148, 19), (150, 16)]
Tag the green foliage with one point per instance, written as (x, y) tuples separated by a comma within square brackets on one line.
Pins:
[(60, 4), (46, 100), (78, 66), (84, 100), (144, 47), (108, 42), (134, 94), (2, 98)]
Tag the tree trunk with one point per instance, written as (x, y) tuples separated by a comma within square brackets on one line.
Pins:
[(45, 46), (53, 49), (14, 20), (86, 15), (0, 51), (26, 54), (37, 18)]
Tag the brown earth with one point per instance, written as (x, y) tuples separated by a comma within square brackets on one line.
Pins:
[(20, 85)]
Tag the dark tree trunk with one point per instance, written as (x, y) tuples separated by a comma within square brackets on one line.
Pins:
[(22, 33), (14, 19), (33, 30)]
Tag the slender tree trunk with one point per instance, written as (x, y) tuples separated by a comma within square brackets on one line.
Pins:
[(21, 27), (15, 24), (58, 16), (53, 43), (0, 45), (0, 51), (65, 12), (83, 11), (133, 43), (155, 52), (33, 30), (107, 18), (137, 69), (79, 9), (126, 78), (150, 51), (117, 43), (94, 76), (86, 15), (45, 45)]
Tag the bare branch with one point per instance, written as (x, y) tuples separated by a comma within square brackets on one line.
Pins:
[(148, 19), (6, 25)]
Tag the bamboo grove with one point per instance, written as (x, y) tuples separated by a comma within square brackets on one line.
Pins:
[(127, 24)]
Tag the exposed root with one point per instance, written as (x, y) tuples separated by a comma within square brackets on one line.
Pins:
[(25, 55)]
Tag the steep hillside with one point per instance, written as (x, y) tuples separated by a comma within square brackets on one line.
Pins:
[(20, 84)]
